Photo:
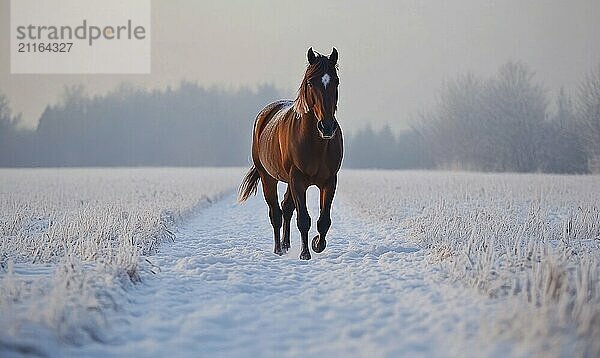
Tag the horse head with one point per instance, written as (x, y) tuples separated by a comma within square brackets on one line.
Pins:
[(318, 92)]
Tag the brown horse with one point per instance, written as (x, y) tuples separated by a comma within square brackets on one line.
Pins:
[(300, 143)]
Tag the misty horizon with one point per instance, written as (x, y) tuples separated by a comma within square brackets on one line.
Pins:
[(501, 123)]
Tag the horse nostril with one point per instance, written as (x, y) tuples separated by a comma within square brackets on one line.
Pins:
[(326, 129), (320, 126)]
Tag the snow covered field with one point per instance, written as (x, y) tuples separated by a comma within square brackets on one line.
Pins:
[(419, 263), (72, 240), (531, 241)]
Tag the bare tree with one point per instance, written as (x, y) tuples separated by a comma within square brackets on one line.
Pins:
[(490, 125), (561, 150), (516, 108), (451, 129), (588, 118), (7, 130)]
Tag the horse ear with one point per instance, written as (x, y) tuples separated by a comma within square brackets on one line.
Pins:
[(334, 56), (311, 56)]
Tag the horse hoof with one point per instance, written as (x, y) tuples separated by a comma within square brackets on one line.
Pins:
[(318, 245), (278, 252), (285, 246), (305, 255)]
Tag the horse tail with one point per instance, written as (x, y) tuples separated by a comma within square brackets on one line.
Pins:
[(249, 185)]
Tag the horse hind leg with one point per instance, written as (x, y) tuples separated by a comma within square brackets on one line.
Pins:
[(269, 185), (287, 207)]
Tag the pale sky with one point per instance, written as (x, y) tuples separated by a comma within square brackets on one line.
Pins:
[(393, 55)]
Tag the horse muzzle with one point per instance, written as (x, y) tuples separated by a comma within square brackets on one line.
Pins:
[(327, 129)]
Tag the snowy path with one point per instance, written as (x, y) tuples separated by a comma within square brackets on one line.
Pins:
[(222, 292)]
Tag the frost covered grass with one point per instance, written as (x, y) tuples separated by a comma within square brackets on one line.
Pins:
[(531, 241), (71, 240), (74, 241)]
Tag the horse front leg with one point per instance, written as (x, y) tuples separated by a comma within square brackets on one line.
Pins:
[(299, 185), (327, 192)]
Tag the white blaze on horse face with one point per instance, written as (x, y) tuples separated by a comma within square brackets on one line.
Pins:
[(325, 79)]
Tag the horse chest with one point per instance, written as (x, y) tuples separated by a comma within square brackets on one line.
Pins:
[(318, 161)]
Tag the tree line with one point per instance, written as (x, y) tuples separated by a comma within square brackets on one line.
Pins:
[(186, 126), (502, 123)]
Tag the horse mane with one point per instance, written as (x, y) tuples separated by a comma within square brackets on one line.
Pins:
[(319, 68)]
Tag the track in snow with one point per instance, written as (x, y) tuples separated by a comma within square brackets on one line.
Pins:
[(222, 291)]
